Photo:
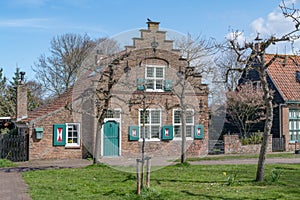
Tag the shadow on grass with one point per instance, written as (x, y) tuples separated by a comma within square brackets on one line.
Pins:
[(129, 177), (159, 181), (202, 196)]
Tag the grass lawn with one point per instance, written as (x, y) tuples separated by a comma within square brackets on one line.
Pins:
[(171, 182), (6, 163), (241, 156)]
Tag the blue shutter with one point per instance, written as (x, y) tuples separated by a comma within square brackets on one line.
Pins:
[(133, 133), (168, 85), (167, 132), (141, 84), (59, 134), (199, 132)]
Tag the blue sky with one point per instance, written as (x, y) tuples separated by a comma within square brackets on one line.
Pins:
[(27, 26)]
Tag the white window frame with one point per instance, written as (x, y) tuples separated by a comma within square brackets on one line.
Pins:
[(78, 135), (118, 120), (180, 124), (294, 125), (154, 78), (149, 138)]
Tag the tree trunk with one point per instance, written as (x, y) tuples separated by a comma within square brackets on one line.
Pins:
[(183, 135), (183, 122), (267, 127), (97, 145)]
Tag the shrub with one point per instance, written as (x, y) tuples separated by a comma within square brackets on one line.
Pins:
[(276, 174), (254, 138)]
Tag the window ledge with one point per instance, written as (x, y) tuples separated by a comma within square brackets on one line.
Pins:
[(179, 138), (150, 140), (72, 146)]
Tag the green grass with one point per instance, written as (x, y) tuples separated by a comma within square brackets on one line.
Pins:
[(171, 182), (6, 163), (242, 156)]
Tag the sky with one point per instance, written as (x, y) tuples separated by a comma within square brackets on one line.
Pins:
[(28, 26)]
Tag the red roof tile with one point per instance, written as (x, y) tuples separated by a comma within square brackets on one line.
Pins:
[(58, 103), (283, 74)]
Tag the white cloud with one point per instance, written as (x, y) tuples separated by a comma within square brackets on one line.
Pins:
[(26, 23), (239, 36), (274, 24), (30, 2)]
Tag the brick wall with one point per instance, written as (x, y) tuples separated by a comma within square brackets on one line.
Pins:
[(140, 55), (43, 148), (233, 145), (126, 89)]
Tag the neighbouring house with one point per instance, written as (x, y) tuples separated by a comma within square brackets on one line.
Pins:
[(283, 76), (154, 84)]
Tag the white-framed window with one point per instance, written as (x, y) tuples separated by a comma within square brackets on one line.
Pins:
[(294, 125), (73, 134), (154, 76), (177, 124), (151, 118)]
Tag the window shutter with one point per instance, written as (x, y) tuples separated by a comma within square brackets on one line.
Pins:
[(140, 84), (168, 85), (133, 133), (199, 132), (59, 134), (167, 132)]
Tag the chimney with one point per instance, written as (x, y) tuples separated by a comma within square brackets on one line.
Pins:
[(153, 26), (21, 99)]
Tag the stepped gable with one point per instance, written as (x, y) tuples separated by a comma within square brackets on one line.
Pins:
[(152, 36)]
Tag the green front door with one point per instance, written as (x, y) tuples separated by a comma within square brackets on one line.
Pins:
[(111, 139)]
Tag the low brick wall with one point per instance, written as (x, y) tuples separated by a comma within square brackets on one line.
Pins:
[(293, 146), (233, 145)]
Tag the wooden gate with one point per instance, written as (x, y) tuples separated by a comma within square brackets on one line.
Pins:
[(278, 144), (215, 146), (14, 147)]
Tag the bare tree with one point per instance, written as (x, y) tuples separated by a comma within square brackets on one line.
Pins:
[(58, 71), (35, 94), (196, 53), (252, 56), (227, 66), (245, 107)]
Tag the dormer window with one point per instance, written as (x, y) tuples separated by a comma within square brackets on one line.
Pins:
[(155, 78)]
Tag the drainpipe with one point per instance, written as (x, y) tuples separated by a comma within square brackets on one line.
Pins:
[(280, 118)]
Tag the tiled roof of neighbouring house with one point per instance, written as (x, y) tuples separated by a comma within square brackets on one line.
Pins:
[(283, 74), (56, 104)]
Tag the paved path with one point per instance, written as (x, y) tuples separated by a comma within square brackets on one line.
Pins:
[(13, 187)]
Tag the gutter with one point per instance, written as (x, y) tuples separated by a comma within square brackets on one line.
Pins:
[(5, 118), (292, 102)]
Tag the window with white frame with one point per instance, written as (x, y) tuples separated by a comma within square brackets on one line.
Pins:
[(154, 78), (73, 134), (151, 118), (178, 124), (294, 124)]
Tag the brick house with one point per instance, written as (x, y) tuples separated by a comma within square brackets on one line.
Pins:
[(147, 101), (284, 80)]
